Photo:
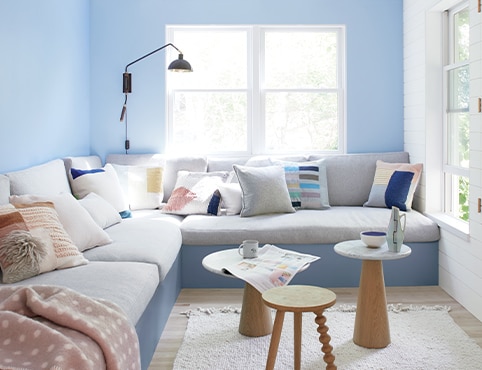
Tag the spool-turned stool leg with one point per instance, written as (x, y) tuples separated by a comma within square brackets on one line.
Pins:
[(325, 341), (275, 338), (297, 332)]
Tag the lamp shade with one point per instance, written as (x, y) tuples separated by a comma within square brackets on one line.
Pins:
[(180, 65)]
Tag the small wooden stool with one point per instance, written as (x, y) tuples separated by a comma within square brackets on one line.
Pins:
[(299, 299)]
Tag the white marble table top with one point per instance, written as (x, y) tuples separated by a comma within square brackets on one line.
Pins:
[(217, 261), (359, 250)]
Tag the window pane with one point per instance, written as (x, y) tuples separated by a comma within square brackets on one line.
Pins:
[(461, 36), (459, 88), (301, 121), (459, 198), (207, 122), (458, 139), (300, 60), (218, 58)]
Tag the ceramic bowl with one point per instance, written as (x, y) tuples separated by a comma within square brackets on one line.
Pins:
[(373, 239)]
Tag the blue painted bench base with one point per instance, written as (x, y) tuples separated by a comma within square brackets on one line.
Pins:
[(331, 270), (152, 322)]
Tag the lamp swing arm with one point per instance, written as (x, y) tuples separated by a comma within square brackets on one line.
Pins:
[(127, 78), (152, 52)]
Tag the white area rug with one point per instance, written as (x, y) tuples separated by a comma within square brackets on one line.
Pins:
[(422, 338)]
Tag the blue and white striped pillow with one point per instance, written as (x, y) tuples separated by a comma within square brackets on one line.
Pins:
[(307, 184)]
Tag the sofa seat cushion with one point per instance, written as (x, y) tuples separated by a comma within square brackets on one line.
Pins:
[(130, 285), (154, 239), (303, 227)]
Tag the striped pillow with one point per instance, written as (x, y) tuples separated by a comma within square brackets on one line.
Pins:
[(307, 184)]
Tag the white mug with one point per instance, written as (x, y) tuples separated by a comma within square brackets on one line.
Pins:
[(248, 249)]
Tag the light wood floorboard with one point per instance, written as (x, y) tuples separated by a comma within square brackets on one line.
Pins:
[(193, 298)]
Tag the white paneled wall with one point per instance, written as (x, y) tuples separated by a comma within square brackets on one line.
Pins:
[(460, 259)]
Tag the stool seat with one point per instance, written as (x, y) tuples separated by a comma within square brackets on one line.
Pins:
[(299, 299)]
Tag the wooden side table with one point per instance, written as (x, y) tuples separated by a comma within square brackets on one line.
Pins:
[(299, 299), (372, 329), (255, 320)]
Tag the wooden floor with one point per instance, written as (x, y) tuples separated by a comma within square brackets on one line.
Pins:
[(193, 298)]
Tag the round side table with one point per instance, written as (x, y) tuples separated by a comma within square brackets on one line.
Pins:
[(372, 329), (255, 320)]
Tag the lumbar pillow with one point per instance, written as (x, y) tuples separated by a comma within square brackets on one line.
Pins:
[(394, 185), (26, 254), (307, 184), (77, 222), (101, 211), (264, 190), (196, 193), (43, 215), (142, 185), (102, 181)]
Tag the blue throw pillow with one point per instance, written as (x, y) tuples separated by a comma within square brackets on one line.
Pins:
[(397, 189)]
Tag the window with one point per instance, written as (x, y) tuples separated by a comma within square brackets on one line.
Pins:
[(457, 118), (257, 89)]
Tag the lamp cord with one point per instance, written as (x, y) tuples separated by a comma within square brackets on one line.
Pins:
[(124, 114)]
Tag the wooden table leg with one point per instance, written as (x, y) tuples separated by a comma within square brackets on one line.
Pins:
[(298, 320), (256, 320), (326, 347), (275, 338), (371, 322)]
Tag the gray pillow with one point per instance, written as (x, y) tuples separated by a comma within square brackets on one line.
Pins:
[(264, 190)]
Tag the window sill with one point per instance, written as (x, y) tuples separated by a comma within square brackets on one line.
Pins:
[(452, 225)]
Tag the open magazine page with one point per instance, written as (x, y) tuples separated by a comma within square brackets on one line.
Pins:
[(273, 267)]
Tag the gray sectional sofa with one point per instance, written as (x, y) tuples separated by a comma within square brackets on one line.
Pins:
[(153, 254)]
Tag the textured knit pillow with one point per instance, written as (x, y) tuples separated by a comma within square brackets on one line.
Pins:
[(264, 190), (196, 193), (390, 185), (307, 184), (77, 222), (25, 254), (102, 181), (141, 185), (43, 215)]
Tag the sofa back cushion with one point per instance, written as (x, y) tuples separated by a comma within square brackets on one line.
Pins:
[(350, 176), (46, 179), (4, 189)]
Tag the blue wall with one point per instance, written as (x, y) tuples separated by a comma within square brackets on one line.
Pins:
[(44, 81), (123, 30), (49, 107)]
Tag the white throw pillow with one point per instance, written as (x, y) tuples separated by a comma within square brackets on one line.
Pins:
[(77, 222), (102, 181), (196, 193), (142, 185), (231, 198), (103, 213)]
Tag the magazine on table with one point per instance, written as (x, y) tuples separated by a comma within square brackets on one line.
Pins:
[(272, 267)]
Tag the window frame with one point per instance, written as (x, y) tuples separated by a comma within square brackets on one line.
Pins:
[(256, 93), (451, 173)]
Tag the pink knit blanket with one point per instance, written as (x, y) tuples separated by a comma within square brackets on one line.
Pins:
[(48, 327)]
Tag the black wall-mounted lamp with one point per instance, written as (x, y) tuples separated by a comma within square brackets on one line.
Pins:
[(178, 65)]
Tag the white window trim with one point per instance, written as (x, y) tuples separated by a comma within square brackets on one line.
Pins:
[(434, 166), (256, 142)]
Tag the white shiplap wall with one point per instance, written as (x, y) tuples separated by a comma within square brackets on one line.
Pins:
[(460, 258)]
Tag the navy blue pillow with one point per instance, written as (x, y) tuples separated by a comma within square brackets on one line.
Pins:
[(77, 173), (214, 203), (397, 189)]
